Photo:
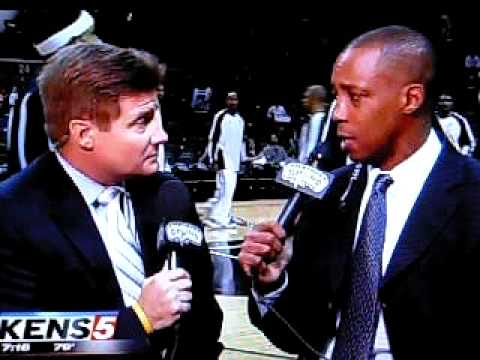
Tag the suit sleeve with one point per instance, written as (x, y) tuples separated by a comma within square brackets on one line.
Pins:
[(302, 320), (18, 277)]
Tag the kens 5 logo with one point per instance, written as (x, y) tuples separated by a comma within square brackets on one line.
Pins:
[(48, 326)]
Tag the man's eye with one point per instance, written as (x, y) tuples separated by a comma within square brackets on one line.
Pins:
[(139, 123), (144, 120), (355, 98)]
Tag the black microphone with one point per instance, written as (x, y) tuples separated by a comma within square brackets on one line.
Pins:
[(306, 179), (308, 183), (176, 235)]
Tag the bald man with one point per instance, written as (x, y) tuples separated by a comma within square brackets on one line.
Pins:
[(388, 262), (314, 102)]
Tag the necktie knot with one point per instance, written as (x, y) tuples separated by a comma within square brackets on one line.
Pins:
[(382, 182), (107, 195)]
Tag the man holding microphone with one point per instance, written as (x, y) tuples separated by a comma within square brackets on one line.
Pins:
[(386, 264), (79, 226)]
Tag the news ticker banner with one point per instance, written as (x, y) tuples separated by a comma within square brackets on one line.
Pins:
[(62, 332)]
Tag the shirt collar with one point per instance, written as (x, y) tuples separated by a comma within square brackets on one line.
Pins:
[(417, 166), (89, 188)]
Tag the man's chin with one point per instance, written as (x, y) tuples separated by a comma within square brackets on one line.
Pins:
[(149, 169)]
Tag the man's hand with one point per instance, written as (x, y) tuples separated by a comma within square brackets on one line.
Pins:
[(263, 253), (166, 296)]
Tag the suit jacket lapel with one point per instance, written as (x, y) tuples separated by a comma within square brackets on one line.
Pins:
[(431, 211), (72, 215)]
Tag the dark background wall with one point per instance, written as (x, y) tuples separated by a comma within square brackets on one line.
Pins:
[(268, 54)]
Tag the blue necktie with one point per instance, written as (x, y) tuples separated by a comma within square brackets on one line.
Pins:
[(359, 320)]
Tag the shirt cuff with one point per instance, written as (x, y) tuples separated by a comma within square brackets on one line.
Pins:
[(265, 301)]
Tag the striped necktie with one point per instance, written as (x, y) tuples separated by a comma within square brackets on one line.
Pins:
[(359, 321), (127, 258)]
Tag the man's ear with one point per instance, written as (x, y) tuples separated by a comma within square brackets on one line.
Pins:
[(82, 132), (413, 98)]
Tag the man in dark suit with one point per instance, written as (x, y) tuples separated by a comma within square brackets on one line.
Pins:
[(416, 298), (64, 247)]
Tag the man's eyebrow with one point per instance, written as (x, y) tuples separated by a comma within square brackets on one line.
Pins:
[(354, 87), (145, 109)]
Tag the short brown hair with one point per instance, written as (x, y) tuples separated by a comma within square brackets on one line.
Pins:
[(85, 81)]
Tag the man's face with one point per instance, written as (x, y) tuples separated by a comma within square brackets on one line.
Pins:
[(232, 102), (130, 145), (445, 104), (307, 101), (368, 106)]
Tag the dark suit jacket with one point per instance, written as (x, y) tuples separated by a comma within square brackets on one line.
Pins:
[(430, 302), (52, 257)]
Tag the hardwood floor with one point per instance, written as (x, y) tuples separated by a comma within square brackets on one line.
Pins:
[(241, 339)]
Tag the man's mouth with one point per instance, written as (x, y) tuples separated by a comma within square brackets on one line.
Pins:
[(346, 141)]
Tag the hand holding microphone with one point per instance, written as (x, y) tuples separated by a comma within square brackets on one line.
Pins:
[(167, 294), (264, 253)]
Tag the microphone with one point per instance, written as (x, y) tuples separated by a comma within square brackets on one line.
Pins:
[(177, 235), (306, 179), (308, 182)]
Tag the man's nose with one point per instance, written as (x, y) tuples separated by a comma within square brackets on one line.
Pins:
[(340, 111), (159, 135)]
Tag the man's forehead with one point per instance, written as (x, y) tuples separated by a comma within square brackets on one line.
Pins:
[(357, 65), (139, 102), (366, 56)]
